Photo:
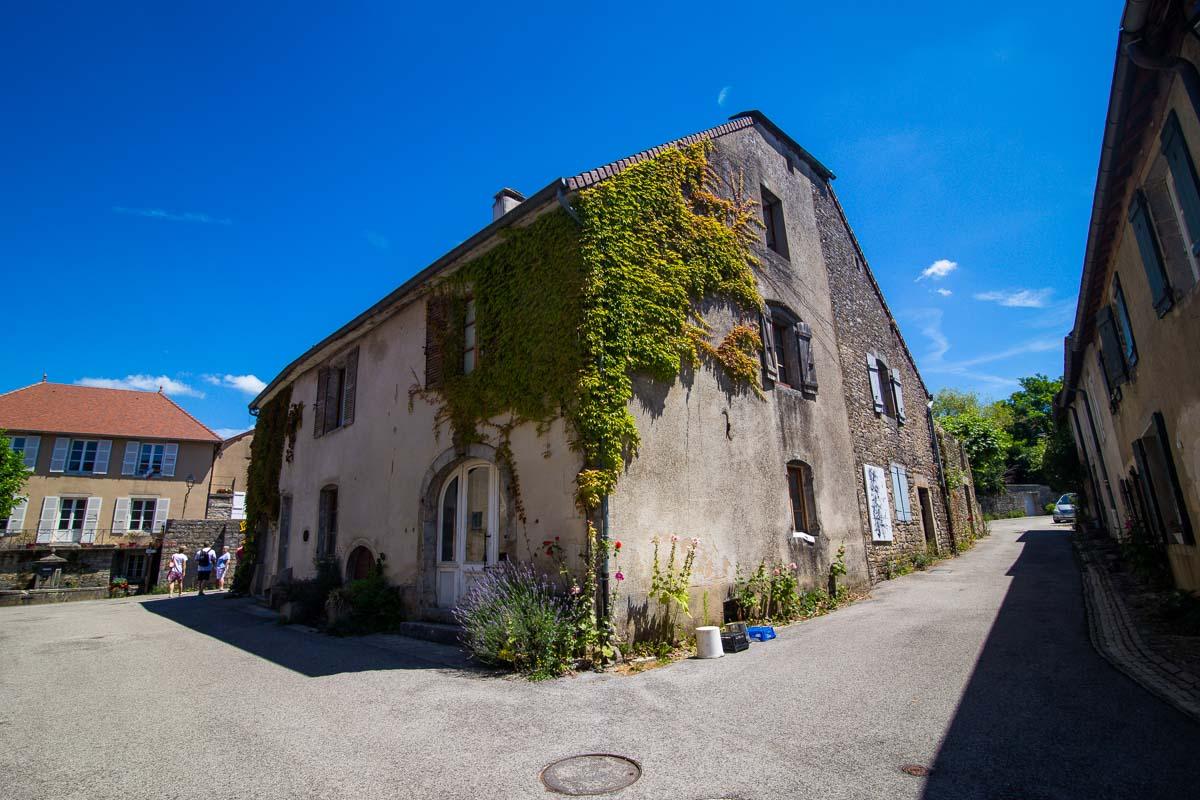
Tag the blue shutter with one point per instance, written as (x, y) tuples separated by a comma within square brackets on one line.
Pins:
[(1183, 172), (1112, 359), (1147, 241)]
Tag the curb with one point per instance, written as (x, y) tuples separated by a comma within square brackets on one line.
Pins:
[(1116, 639)]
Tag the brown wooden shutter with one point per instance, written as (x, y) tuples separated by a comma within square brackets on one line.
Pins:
[(348, 392), (322, 521), (768, 340), (437, 313), (1112, 356), (808, 372), (319, 403)]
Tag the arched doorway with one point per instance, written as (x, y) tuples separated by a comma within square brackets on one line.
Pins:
[(468, 523), (359, 564)]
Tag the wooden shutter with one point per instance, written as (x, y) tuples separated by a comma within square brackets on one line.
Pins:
[(1164, 442), (49, 518), (103, 449), (1111, 356), (238, 509), (808, 370), (348, 391), (898, 394), (322, 522), (900, 493), (58, 458), (876, 388), (162, 510), (16, 517), (1183, 174), (32, 443), (91, 519), (767, 334), (1151, 253), (437, 315), (130, 462), (170, 457), (121, 515), (333, 397), (319, 403)]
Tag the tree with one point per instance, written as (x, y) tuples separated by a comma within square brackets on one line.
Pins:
[(1033, 408), (12, 477), (987, 446)]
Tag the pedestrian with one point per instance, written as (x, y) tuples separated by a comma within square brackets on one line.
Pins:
[(206, 559), (176, 572), (222, 566)]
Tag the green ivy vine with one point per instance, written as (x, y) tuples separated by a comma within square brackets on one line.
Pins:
[(276, 421)]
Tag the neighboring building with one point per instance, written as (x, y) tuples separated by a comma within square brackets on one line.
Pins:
[(1131, 390), (839, 452), (227, 492), (108, 468)]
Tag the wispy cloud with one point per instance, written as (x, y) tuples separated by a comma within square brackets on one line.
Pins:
[(1033, 346), (228, 433), (249, 384), (944, 292), (930, 320), (378, 240), (145, 383), (173, 216), (723, 95), (938, 269), (1017, 298)]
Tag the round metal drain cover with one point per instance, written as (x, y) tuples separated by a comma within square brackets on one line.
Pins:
[(592, 773)]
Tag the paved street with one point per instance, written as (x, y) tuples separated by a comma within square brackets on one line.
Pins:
[(980, 669)]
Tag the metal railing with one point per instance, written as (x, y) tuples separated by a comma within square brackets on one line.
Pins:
[(28, 538)]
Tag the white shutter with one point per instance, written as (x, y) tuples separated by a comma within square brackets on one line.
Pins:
[(898, 393), (129, 465), (161, 509), (121, 515), (876, 389), (102, 452), (16, 517), (32, 443), (239, 506), (170, 455), (900, 493), (49, 518), (91, 519), (58, 459)]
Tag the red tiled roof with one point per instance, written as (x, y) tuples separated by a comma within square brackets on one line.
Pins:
[(63, 408)]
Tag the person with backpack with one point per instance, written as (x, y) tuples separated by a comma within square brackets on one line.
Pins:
[(206, 559)]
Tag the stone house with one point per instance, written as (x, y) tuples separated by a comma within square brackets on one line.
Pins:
[(108, 468), (805, 432), (1131, 392), (227, 489)]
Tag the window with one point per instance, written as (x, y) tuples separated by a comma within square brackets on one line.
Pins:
[(135, 566), (773, 223), (1150, 251), (71, 513), (787, 349), (1161, 483), (27, 446), (887, 393), (1184, 188), (141, 514), (900, 494), (336, 392), (82, 456), (1124, 328), (327, 523), (150, 459), (1113, 365), (285, 532), (800, 491), (470, 351)]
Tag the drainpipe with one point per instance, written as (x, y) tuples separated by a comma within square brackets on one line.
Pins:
[(1136, 50), (603, 577)]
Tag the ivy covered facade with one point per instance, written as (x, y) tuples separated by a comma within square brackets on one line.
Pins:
[(648, 349)]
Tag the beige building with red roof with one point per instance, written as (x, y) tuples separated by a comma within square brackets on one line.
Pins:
[(108, 468)]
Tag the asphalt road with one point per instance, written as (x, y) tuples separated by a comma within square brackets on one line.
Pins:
[(980, 669)]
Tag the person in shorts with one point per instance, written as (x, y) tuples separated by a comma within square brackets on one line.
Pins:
[(223, 566), (206, 560), (175, 573)]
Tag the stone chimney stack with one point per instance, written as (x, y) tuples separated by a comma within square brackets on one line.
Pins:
[(505, 201)]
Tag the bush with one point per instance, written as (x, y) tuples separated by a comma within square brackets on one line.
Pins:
[(514, 618), (368, 605), (309, 595), (1049, 508)]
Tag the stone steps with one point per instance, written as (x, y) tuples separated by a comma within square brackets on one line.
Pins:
[(439, 632)]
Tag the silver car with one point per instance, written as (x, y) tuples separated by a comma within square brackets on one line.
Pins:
[(1064, 509)]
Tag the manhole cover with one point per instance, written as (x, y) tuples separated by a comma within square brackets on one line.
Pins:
[(593, 773), (916, 770)]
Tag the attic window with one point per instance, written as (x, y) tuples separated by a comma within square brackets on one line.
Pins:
[(773, 223)]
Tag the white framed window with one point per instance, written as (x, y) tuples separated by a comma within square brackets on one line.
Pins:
[(27, 446), (141, 514), (71, 513), (150, 458), (82, 455)]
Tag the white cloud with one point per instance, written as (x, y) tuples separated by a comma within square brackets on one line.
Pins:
[(145, 383), (1018, 298), (1034, 346), (250, 384), (378, 240), (173, 216), (938, 269), (723, 95), (944, 292), (228, 433)]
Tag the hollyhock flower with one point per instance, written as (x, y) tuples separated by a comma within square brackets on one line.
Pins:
[(575, 589), (777, 570), (792, 566), (674, 538), (620, 575), (617, 544), (695, 541)]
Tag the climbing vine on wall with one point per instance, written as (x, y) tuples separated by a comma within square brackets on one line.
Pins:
[(275, 419), (568, 312)]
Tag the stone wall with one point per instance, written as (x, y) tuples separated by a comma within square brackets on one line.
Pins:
[(84, 568), (220, 506), (966, 517), (865, 325), (190, 534), (1013, 499)]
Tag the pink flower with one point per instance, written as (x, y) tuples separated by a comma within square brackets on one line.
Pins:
[(674, 538), (620, 575), (792, 566), (777, 570), (575, 589), (695, 541)]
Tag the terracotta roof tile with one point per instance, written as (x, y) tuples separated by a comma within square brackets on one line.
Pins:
[(63, 408)]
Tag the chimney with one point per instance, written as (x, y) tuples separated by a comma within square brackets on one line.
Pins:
[(505, 201)]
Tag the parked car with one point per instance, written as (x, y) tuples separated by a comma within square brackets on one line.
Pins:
[(1064, 509)]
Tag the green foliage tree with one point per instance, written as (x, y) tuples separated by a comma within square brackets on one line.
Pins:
[(987, 446), (12, 477)]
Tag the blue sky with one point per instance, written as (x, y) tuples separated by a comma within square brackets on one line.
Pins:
[(196, 193)]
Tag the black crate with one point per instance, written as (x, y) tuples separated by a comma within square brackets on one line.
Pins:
[(734, 642)]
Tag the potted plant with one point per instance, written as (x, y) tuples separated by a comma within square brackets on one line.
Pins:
[(118, 586)]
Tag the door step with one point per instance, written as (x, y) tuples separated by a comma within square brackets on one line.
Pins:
[(439, 632)]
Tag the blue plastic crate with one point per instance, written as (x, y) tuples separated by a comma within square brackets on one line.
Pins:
[(761, 633)]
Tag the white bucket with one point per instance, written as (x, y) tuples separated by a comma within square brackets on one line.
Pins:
[(708, 642)]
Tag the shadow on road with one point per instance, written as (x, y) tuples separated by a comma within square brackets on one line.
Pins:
[(1044, 716), (313, 654)]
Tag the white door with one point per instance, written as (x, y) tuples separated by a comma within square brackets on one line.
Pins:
[(468, 520)]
